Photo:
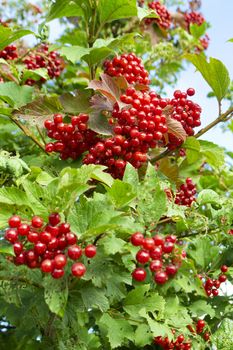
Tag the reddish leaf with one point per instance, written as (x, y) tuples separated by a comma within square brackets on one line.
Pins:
[(107, 86), (176, 128), (98, 121)]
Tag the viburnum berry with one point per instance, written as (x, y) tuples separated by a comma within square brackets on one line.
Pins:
[(148, 243), (193, 18), (224, 268), (78, 269), (9, 52), (222, 278), (137, 239), (14, 221), (139, 274), (156, 265), (37, 222), (90, 251), (129, 66), (142, 256), (46, 245), (164, 20), (161, 277), (186, 193)]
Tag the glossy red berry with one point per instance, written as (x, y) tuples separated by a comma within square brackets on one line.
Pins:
[(60, 261), (171, 269), (156, 265), (137, 239), (18, 248), (57, 273), (142, 256), (64, 228), (224, 268), (139, 274), (11, 235), (40, 248), (78, 269), (206, 336), (33, 237), (74, 252), (160, 277), (54, 219), (47, 266), (222, 278), (37, 222), (168, 247), (148, 243), (71, 238), (158, 240), (45, 237), (23, 229), (14, 221), (90, 251)]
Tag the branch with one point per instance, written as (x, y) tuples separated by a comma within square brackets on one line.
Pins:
[(28, 133), (222, 118)]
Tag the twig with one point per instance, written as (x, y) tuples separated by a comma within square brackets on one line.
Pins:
[(28, 133)]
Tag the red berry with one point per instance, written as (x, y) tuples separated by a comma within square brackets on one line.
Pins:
[(168, 247), (47, 266), (180, 338), (137, 239), (78, 269), (14, 221), (37, 222), (53, 230), (156, 253), (19, 259), (171, 238), (224, 268), (74, 252), (90, 251), (54, 219), (206, 336), (148, 243), (139, 274), (158, 240), (57, 273), (190, 92), (64, 228), (23, 229), (160, 277), (11, 235), (222, 278), (171, 269), (71, 238), (215, 292), (33, 237), (60, 261), (200, 323), (156, 265), (40, 248), (18, 248), (45, 237), (142, 256)]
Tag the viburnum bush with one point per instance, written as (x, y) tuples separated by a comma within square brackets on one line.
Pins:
[(116, 218)]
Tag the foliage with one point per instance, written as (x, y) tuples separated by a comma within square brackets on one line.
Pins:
[(62, 91)]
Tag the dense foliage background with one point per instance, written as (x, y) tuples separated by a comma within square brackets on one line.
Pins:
[(116, 218)]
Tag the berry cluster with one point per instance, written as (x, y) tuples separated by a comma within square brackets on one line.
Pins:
[(72, 139), (129, 66), (162, 255), (42, 58), (137, 128), (193, 18), (46, 246), (199, 329), (186, 112), (164, 22), (205, 42), (212, 285), (178, 344), (186, 193), (9, 53)]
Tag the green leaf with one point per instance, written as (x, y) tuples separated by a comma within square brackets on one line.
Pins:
[(213, 154), (201, 308), (151, 198), (131, 176), (112, 244), (198, 250), (122, 330), (36, 74), (139, 299), (222, 338), (198, 31), (214, 72), (146, 13), (121, 193), (56, 295), (208, 196), (94, 298), (8, 36), (111, 10), (64, 8), (74, 53), (13, 196), (157, 328), (143, 336), (15, 95), (192, 147), (6, 249)]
